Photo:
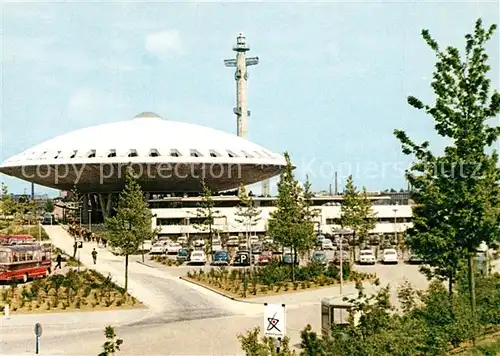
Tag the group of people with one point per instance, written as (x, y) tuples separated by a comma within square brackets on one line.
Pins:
[(87, 236)]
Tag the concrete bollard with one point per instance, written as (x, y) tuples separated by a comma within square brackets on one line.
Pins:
[(6, 311)]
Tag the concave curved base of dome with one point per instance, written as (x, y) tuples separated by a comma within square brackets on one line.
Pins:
[(180, 177)]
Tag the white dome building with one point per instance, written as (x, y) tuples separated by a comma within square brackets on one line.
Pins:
[(168, 156)]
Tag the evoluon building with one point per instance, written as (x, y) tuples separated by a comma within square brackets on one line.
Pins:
[(171, 159), (168, 157)]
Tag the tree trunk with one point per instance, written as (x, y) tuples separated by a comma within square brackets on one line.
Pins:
[(126, 272), (293, 263), (472, 289), (353, 246), (450, 291)]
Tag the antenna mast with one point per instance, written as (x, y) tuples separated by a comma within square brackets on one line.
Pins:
[(241, 76)]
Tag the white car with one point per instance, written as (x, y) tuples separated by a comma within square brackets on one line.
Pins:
[(390, 255), (159, 248), (198, 257), (146, 246), (216, 246), (174, 247), (243, 247), (182, 240), (326, 244), (367, 257)]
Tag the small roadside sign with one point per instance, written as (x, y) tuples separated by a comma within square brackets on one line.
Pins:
[(38, 329), (274, 320)]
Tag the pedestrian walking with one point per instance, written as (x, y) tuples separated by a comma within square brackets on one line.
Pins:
[(94, 255), (58, 260)]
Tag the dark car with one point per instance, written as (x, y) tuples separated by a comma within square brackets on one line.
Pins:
[(256, 248), (221, 258), (242, 258), (288, 258), (182, 255), (415, 260)]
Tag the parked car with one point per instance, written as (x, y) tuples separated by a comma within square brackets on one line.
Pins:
[(345, 256), (174, 247), (233, 241), (216, 246), (182, 240), (145, 246), (319, 257), (319, 239), (182, 255), (265, 257), (390, 255), (256, 248), (288, 258), (159, 248), (221, 258), (326, 244), (414, 259), (243, 247), (242, 258), (367, 257), (198, 257)]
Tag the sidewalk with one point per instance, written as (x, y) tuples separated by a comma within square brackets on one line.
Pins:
[(107, 263)]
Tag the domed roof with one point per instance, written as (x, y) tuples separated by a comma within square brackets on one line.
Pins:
[(171, 156), (147, 135)]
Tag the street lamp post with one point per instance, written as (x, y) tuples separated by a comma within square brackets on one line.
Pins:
[(341, 264), (395, 227)]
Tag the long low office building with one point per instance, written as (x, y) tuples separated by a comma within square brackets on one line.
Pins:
[(176, 216)]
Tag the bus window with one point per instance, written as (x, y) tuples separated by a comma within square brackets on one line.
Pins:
[(29, 255), (4, 257)]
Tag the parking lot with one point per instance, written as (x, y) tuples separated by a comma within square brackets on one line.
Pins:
[(395, 274)]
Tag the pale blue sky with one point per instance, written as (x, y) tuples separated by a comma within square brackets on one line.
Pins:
[(330, 88)]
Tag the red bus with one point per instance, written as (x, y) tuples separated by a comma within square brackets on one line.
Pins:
[(24, 261), (16, 239)]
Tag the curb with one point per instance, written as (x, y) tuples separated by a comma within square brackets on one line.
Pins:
[(144, 264), (218, 292)]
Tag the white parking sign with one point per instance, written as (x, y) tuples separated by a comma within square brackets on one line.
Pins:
[(274, 320)]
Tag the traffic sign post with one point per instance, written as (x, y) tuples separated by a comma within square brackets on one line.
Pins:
[(79, 246), (275, 322), (38, 333)]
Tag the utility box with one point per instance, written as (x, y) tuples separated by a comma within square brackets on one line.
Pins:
[(335, 311)]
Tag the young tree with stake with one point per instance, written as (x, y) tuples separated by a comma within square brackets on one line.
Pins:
[(247, 213), (356, 214), (291, 222), (457, 194), (206, 214), (132, 223)]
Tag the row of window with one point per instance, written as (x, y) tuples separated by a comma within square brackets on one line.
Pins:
[(196, 221), (173, 153), (21, 256), (180, 221), (336, 221)]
